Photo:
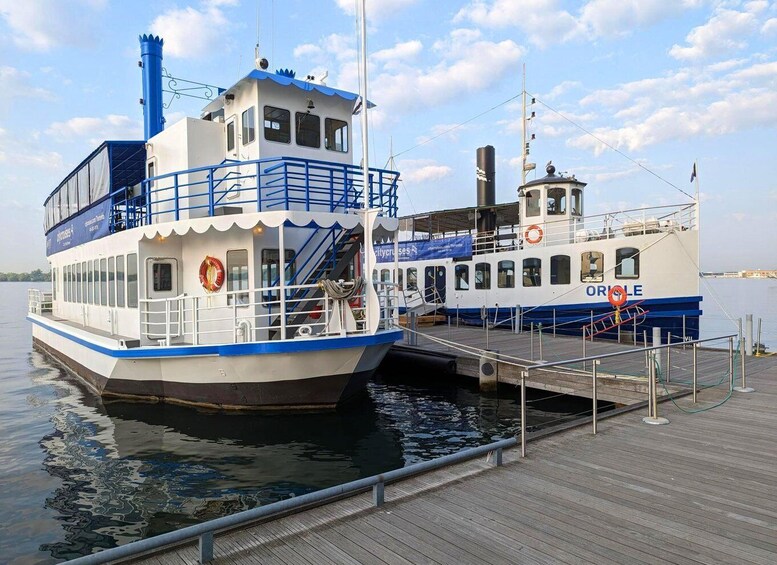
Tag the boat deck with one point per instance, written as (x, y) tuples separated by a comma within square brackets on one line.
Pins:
[(699, 490)]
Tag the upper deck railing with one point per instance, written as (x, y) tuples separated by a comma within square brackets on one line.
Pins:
[(612, 225), (282, 183)]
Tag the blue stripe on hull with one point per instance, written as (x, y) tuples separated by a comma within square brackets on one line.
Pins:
[(664, 313), (233, 349)]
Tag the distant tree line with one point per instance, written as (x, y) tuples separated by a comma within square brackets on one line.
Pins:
[(35, 276)]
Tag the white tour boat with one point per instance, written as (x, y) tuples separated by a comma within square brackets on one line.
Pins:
[(219, 261), (542, 260)]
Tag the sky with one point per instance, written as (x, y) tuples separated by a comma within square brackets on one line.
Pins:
[(663, 83)]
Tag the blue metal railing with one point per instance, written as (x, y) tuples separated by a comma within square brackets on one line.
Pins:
[(280, 183), (206, 530)]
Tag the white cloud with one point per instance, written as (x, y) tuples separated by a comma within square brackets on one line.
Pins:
[(15, 84), (41, 25), (423, 170), (617, 18), (192, 33), (376, 9), (726, 31), (769, 27), (399, 53), (96, 130)]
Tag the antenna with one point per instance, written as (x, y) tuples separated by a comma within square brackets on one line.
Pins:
[(525, 166)]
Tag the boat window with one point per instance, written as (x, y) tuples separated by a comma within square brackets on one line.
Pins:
[(162, 274), (72, 196), (104, 282), (277, 125), (627, 263), (375, 274), (120, 281), (385, 275), (111, 281), (271, 270), (54, 283), (482, 276), (248, 122), (557, 201), (96, 273), (231, 135), (83, 187), (505, 275), (532, 203), (237, 275), (336, 135), (99, 176), (532, 272), (132, 280), (412, 278), (78, 283), (89, 283), (65, 290), (400, 278), (560, 271), (591, 266), (462, 277), (84, 287), (577, 202), (308, 128)]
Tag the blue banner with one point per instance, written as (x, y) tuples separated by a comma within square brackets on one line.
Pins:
[(421, 250), (89, 225)]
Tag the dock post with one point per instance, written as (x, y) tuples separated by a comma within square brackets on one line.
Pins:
[(206, 547), (584, 363), (668, 356), (757, 343), (695, 369), (744, 388), (378, 493), (593, 374), (748, 334), (730, 363), (524, 376), (497, 457), (539, 335), (531, 340), (554, 323), (683, 332), (488, 371), (653, 418), (656, 343), (634, 321)]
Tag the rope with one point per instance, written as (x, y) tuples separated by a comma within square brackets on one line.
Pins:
[(338, 291)]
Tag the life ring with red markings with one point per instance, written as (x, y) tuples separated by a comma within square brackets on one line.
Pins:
[(211, 274), (538, 234)]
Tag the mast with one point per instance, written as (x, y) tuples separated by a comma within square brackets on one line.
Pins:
[(363, 96), (525, 165)]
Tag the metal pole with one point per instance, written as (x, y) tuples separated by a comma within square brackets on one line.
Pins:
[(524, 376), (757, 344), (653, 382), (554, 325), (731, 363), (749, 333), (644, 337), (593, 374), (531, 340), (695, 370), (634, 320), (668, 356), (539, 334), (744, 387), (683, 332), (592, 325)]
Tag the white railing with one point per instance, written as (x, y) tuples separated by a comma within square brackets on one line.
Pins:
[(262, 314), (38, 301), (620, 224)]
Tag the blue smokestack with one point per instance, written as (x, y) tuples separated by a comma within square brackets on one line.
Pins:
[(151, 59)]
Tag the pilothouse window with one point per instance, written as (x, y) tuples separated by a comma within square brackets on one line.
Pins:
[(557, 201), (336, 135), (308, 129), (249, 126), (277, 124), (532, 203)]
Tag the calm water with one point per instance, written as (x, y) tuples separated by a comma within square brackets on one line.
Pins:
[(80, 473)]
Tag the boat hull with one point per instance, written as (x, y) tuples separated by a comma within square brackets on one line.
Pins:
[(312, 373)]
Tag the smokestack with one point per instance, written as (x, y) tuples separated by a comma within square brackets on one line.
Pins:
[(151, 61), (486, 187)]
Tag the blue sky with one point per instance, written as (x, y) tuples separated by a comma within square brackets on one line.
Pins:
[(665, 82)]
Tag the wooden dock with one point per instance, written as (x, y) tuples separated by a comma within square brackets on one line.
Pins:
[(622, 380), (702, 489)]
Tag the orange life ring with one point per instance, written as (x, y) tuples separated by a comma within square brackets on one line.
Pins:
[(211, 274), (622, 296), (532, 228)]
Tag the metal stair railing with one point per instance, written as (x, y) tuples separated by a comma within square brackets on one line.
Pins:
[(607, 322)]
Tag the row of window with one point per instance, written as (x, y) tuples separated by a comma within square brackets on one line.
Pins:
[(591, 270), (84, 187), (110, 281), (277, 127), (556, 202)]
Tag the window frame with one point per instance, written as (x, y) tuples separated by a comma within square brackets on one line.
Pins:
[(132, 283), (277, 138), (458, 271), (619, 263), (586, 258), (485, 276), (535, 210), (248, 126), (242, 298), (534, 278), (554, 272), (509, 278), (301, 119), (331, 137), (412, 278)]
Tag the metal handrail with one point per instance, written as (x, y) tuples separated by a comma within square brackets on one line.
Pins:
[(206, 530)]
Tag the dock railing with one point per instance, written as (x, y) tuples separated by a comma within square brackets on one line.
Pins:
[(206, 531), (658, 370)]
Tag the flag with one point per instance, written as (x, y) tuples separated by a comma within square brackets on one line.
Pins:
[(693, 172)]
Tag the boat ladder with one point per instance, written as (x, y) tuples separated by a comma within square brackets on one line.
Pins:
[(608, 322)]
